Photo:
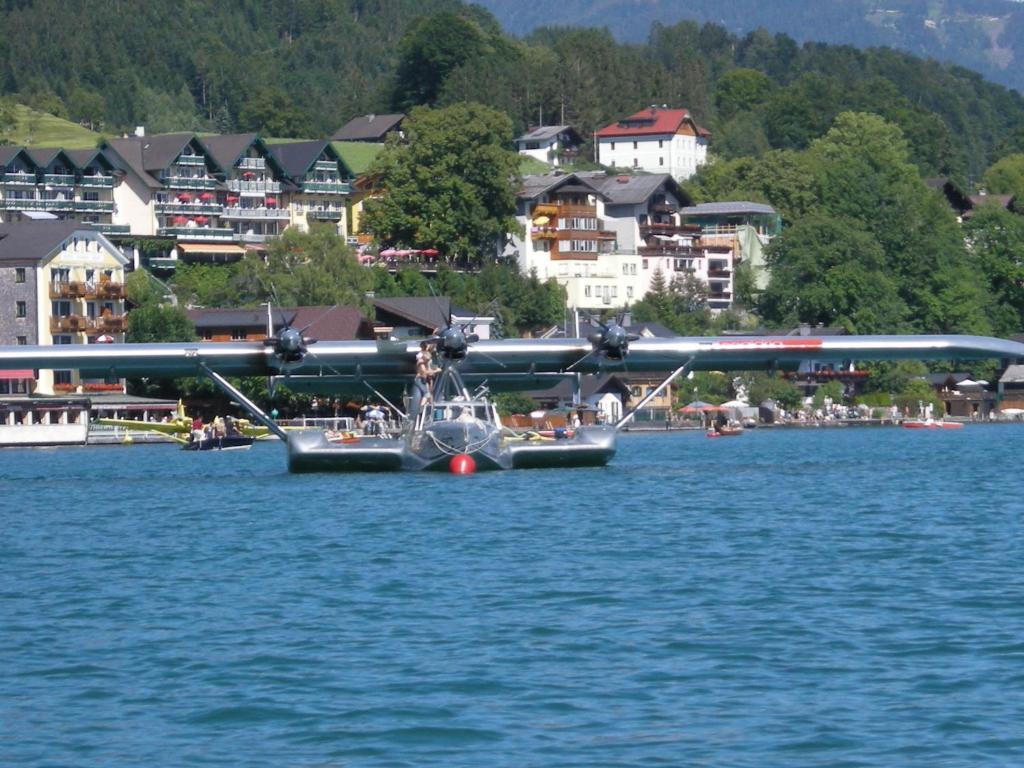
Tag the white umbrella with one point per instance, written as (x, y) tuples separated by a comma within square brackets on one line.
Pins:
[(1011, 411)]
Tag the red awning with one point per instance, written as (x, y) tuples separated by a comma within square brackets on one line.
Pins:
[(12, 375)]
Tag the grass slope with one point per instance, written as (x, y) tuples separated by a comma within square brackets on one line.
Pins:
[(40, 129)]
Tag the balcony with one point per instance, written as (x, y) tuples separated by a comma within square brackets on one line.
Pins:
[(252, 164), (189, 209), (197, 233), (325, 165), (188, 182), (241, 212), (544, 209), (327, 187), (667, 230), (669, 208), (112, 229), (109, 324), (67, 290), (59, 179), (96, 181), (544, 233), (110, 291), (669, 251), (581, 211), (34, 204), (191, 160), (720, 296), (19, 178), (254, 187), (720, 273), (102, 206), (68, 324), (324, 215)]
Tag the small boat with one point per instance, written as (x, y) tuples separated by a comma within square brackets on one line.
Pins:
[(224, 443), (931, 424), (725, 432)]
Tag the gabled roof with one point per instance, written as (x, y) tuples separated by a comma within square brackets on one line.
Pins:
[(227, 150), (650, 122), (126, 154), (332, 323), (83, 158), (539, 184), (158, 152), (43, 156), (427, 312), (239, 318), (1014, 374), (296, 158), (628, 189), (546, 132), (368, 127), (36, 240), (7, 154)]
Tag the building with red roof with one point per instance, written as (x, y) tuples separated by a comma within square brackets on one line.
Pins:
[(655, 139)]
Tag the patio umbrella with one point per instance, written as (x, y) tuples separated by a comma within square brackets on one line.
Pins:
[(184, 197), (430, 251), (387, 253), (206, 196), (697, 406)]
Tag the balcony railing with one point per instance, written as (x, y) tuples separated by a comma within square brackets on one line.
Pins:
[(97, 181), (191, 160), (720, 296), (110, 291), (67, 290), (670, 251), (584, 211), (670, 230), (324, 215), (721, 273), (109, 324), (189, 209), (188, 182), (255, 187), (240, 212), (197, 233), (103, 206), (112, 229), (252, 163), (325, 165), (35, 204), (68, 324), (59, 179), (19, 178), (327, 187)]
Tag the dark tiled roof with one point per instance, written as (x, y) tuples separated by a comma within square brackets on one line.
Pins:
[(239, 318), (158, 152), (8, 153), (226, 150), (42, 156), (545, 132), (297, 157), (368, 128), (126, 154), (626, 189), (35, 240), (734, 208), (539, 184), (427, 312), (332, 323)]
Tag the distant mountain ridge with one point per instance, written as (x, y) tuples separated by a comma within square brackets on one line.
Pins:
[(984, 35)]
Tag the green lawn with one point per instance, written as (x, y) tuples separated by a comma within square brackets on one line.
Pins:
[(39, 129)]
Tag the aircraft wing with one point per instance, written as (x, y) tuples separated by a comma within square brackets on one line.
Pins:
[(384, 361)]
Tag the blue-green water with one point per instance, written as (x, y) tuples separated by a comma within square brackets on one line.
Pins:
[(841, 597)]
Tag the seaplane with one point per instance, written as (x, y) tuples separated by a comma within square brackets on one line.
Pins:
[(238, 434), (457, 428)]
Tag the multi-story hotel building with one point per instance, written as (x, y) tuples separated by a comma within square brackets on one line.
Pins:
[(61, 282)]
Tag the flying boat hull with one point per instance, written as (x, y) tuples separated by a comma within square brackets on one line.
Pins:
[(432, 450)]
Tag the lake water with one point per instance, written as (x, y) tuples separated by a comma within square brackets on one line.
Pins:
[(840, 597)]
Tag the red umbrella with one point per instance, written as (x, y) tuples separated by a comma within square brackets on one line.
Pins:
[(179, 219), (232, 198), (272, 201), (184, 197), (248, 175), (200, 219), (430, 252), (206, 196)]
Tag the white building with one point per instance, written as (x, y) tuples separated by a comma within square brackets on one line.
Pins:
[(604, 237), (657, 140), (552, 144)]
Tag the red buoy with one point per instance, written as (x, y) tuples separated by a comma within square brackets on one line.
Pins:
[(462, 464)]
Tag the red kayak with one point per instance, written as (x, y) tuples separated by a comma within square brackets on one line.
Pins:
[(932, 425)]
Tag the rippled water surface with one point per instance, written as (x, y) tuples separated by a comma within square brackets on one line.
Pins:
[(841, 597)]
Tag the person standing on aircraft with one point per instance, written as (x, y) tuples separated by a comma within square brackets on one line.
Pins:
[(425, 373)]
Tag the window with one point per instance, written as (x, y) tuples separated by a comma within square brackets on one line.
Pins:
[(19, 275), (586, 290), (613, 146), (62, 377), (625, 269), (635, 163), (661, 161), (60, 308), (661, 143), (22, 341), (645, 263), (634, 145), (20, 310), (629, 291)]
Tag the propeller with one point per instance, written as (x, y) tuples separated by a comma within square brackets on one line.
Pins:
[(290, 345), (611, 342)]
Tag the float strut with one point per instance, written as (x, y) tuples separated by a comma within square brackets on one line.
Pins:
[(684, 368), (251, 407)]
